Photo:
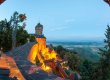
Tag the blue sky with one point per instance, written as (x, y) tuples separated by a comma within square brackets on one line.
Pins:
[(62, 19)]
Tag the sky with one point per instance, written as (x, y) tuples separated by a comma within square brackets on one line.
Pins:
[(65, 20)]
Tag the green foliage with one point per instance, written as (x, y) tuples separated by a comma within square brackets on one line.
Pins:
[(32, 38), (60, 50), (5, 35), (102, 72), (84, 67), (73, 60), (70, 56), (22, 36), (89, 53), (86, 70), (6, 30)]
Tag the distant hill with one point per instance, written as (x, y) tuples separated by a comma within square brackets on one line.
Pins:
[(89, 53), (86, 50)]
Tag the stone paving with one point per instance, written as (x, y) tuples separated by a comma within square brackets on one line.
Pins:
[(8, 63)]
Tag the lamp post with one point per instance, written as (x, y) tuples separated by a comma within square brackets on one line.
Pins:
[(15, 19)]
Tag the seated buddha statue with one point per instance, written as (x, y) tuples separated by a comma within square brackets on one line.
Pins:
[(40, 51)]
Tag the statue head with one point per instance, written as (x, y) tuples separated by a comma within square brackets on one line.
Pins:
[(39, 29)]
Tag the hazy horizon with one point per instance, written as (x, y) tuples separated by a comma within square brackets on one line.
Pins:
[(76, 40)]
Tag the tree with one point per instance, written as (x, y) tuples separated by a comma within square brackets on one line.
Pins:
[(70, 56), (32, 38), (60, 50), (15, 19), (22, 36), (5, 35), (86, 70), (102, 72)]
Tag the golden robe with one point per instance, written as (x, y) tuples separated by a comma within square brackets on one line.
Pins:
[(40, 52), (32, 57)]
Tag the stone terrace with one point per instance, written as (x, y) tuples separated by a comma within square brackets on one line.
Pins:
[(28, 70)]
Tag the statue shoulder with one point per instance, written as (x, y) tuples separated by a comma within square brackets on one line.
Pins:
[(39, 36)]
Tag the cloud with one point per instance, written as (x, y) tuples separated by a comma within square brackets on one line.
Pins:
[(63, 25), (58, 28), (70, 20)]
